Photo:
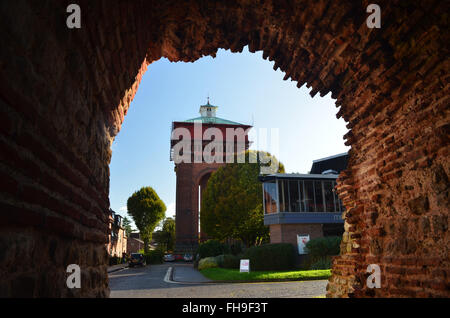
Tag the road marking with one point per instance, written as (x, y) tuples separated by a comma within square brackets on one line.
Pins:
[(168, 275), (118, 270)]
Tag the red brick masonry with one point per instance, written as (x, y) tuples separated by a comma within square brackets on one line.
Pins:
[(64, 94)]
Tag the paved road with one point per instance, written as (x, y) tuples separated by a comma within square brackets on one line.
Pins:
[(149, 282)]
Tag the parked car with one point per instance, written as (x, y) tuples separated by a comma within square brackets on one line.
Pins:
[(188, 257), (178, 257), (136, 259), (169, 258)]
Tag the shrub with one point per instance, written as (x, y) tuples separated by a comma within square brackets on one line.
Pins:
[(323, 246), (227, 261), (322, 263), (219, 260), (114, 260), (212, 248), (280, 256), (236, 248), (208, 262), (154, 256), (231, 261)]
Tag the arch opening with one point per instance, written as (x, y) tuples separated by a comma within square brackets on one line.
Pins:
[(57, 130), (304, 123)]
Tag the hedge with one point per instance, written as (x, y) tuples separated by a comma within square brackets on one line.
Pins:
[(208, 262), (322, 263), (228, 261), (321, 247), (212, 248), (231, 261), (154, 257), (219, 260), (114, 260), (236, 248), (280, 256)]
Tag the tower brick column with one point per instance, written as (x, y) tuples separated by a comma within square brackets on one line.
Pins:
[(193, 171), (189, 177)]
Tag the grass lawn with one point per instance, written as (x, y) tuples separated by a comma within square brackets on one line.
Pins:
[(225, 274)]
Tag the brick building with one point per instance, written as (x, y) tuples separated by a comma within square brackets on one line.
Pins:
[(297, 205), (117, 238), (134, 245), (207, 143)]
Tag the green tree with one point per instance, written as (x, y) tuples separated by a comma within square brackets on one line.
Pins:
[(169, 233), (231, 206), (127, 226), (166, 236), (158, 237), (147, 210)]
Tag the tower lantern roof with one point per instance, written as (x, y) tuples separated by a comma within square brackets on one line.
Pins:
[(208, 110), (208, 116)]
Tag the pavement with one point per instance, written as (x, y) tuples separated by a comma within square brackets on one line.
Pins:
[(117, 267), (179, 280), (185, 273)]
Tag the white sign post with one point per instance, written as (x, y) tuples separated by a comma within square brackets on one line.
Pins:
[(245, 266), (301, 242)]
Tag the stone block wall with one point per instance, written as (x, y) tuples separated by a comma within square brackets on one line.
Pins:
[(64, 94)]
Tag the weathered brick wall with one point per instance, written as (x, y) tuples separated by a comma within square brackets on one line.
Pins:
[(64, 94), (54, 189), (397, 198)]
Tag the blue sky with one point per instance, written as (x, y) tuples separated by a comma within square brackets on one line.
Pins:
[(246, 89)]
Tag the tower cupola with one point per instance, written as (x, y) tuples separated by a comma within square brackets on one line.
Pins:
[(208, 110)]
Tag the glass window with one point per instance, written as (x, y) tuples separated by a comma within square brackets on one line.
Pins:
[(329, 196), (270, 195), (338, 203), (302, 196), (309, 196), (283, 193), (294, 199), (318, 196)]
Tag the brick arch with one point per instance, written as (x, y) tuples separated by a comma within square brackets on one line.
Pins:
[(205, 173), (202, 181), (189, 177), (65, 93)]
